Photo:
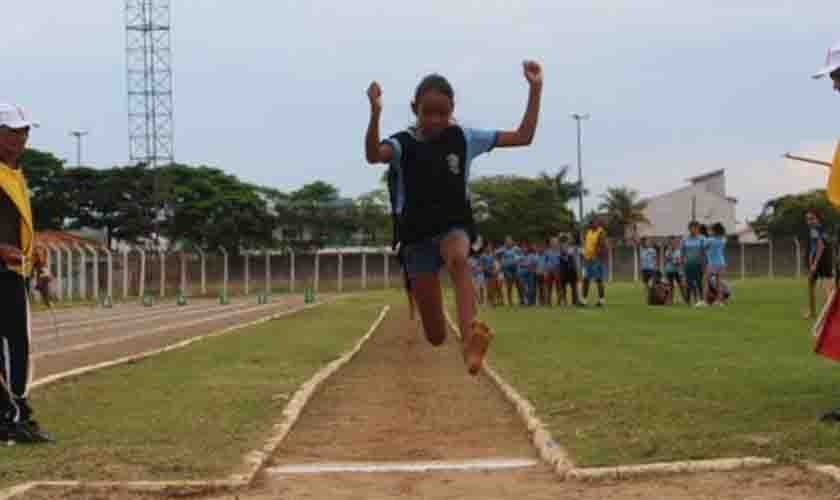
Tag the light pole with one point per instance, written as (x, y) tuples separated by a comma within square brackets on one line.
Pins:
[(78, 134), (578, 117)]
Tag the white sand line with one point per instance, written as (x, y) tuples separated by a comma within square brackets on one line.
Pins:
[(548, 449), (179, 345), (160, 329), (680, 467), (477, 465), (257, 459)]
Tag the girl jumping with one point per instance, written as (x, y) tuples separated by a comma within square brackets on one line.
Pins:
[(433, 161)]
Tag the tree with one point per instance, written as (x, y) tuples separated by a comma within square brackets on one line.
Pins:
[(318, 209), (784, 217), (45, 177), (566, 190), (372, 216), (624, 210), (207, 208), (521, 207)]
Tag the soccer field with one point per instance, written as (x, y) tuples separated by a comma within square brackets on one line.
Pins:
[(632, 383)]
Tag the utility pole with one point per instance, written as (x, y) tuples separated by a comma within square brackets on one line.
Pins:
[(578, 117), (78, 134)]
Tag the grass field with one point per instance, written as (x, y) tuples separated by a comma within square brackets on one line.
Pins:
[(636, 384), (191, 413)]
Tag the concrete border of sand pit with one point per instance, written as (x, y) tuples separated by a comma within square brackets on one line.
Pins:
[(254, 461)]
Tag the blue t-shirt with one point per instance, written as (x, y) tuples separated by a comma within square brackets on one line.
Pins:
[(715, 251), (672, 258), (553, 258), (475, 266), (647, 256), (478, 141), (487, 262), (523, 261), (508, 256), (541, 261), (692, 249), (816, 235)]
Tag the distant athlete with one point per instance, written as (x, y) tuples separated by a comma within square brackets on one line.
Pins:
[(431, 161)]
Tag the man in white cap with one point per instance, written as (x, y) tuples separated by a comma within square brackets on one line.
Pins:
[(18, 260), (832, 67)]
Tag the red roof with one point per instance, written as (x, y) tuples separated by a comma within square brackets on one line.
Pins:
[(51, 237)]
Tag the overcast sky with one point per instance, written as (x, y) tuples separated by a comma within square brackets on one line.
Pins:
[(274, 91)]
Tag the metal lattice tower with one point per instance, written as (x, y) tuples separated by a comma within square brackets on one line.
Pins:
[(149, 71)]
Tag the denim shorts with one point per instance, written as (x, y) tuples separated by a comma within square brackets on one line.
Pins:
[(425, 257), (593, 270)]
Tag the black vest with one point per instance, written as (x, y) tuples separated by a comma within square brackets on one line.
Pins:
[(434, 185)]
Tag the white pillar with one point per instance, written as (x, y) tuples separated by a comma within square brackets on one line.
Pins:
[(162, 273), (203, 272), (70, 273), (58, 279), (340, 271), (267, 272), (225, 274), (364, 270), (125, 272), (183, 273), (95, 284), (247, 274), (110, 273), (798, 249), (291, 271), (387, 275), (83, 273), (142, 280), (317, 270)]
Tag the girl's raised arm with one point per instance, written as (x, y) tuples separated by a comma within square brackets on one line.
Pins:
[(524, 135), (375, 151)]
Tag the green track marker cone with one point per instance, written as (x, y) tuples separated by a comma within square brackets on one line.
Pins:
[(148, 300), (181, 300), (107, 303)]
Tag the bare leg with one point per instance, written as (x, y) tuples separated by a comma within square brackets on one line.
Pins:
[(812, 299), (430, 304), (454, 250)]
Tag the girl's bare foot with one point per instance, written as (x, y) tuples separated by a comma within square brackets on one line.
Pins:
[(475, 345)]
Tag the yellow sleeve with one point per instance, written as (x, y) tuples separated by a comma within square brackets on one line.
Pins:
[(833, 189)]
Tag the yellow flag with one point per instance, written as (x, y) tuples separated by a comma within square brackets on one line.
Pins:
[(833, 189)]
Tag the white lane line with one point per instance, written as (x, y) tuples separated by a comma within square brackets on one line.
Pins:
[(179, 345), (462, 465), (142, 333), (45, 335)]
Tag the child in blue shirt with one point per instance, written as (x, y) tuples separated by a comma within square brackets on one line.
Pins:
[(692, 250), (508, 256), (714, 249), (540, 274)]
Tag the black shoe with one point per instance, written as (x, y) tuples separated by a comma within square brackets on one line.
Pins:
[(831, 417), (27, 432)]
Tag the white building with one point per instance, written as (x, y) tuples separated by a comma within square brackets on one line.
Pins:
[(704, 200)]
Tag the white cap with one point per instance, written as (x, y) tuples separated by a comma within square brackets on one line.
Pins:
[(832, 62), (14, 117)]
